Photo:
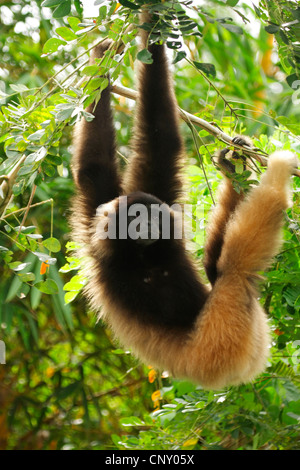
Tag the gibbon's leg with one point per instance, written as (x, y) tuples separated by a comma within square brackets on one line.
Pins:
[(157, 145), (94, 162), (230, 339), (252, 236), (228, 199)]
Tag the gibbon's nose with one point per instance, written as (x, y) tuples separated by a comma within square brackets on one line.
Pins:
[(149, 232)]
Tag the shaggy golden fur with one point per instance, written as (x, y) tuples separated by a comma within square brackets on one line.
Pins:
[(152, 297)]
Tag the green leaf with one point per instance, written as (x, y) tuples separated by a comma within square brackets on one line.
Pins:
[(52, 244), (179, 56), (78, 6), (27, 277), (14, 288), (272, 28), (145, 56), (64, 111), (284, 37), (294, 127), (17, 266), (48, 169), (62, 311), (102, 12), (128, 4), (70, 296), (45, 258), (90, 70), (73, 286), (74, 22), (47, 287), (88, 116), (239, 167), (188, 27), (293, 81), (19, 187), (62, 10), (132, 421), (25, 170), (36, 136), (257, 11), (174, 44), (66, 33), (232, 3), (52, 45), (208, 69), (233, 28), (19, 87)]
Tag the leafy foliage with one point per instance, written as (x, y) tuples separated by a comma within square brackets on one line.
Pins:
[(65, 385), (283, 18)]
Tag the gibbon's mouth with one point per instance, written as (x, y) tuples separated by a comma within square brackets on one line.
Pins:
[(149, 234)]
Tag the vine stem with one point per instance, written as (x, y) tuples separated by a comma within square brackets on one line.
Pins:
[(27, 209)]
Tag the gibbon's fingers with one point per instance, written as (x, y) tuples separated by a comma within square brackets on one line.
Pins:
[(253, 235), (226, 157)]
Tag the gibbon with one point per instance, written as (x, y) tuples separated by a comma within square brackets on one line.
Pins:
[(148, 287)]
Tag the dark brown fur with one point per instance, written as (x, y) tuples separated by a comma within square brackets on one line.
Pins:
[(152, 295)]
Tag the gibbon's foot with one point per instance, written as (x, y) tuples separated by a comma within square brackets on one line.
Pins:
[(281, 165), (226, 163), (283, 158), (100, 49), (242, 141)]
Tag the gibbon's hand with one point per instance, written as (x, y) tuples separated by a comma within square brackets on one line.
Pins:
[(225, 156)]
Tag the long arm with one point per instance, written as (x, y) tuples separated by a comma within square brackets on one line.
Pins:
[(94, 162), (157, 145)]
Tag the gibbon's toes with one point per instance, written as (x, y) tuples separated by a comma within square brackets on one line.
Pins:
[(99, 50), (225, 164), (284, 157), (226, 159), (223, 153), (242, 141)]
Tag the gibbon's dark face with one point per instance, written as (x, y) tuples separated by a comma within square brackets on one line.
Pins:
[(145, 218), (138, 219)]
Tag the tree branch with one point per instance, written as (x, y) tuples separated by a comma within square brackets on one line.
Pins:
[(210, 128)]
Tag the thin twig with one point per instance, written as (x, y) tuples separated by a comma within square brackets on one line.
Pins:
[(27, 208)]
